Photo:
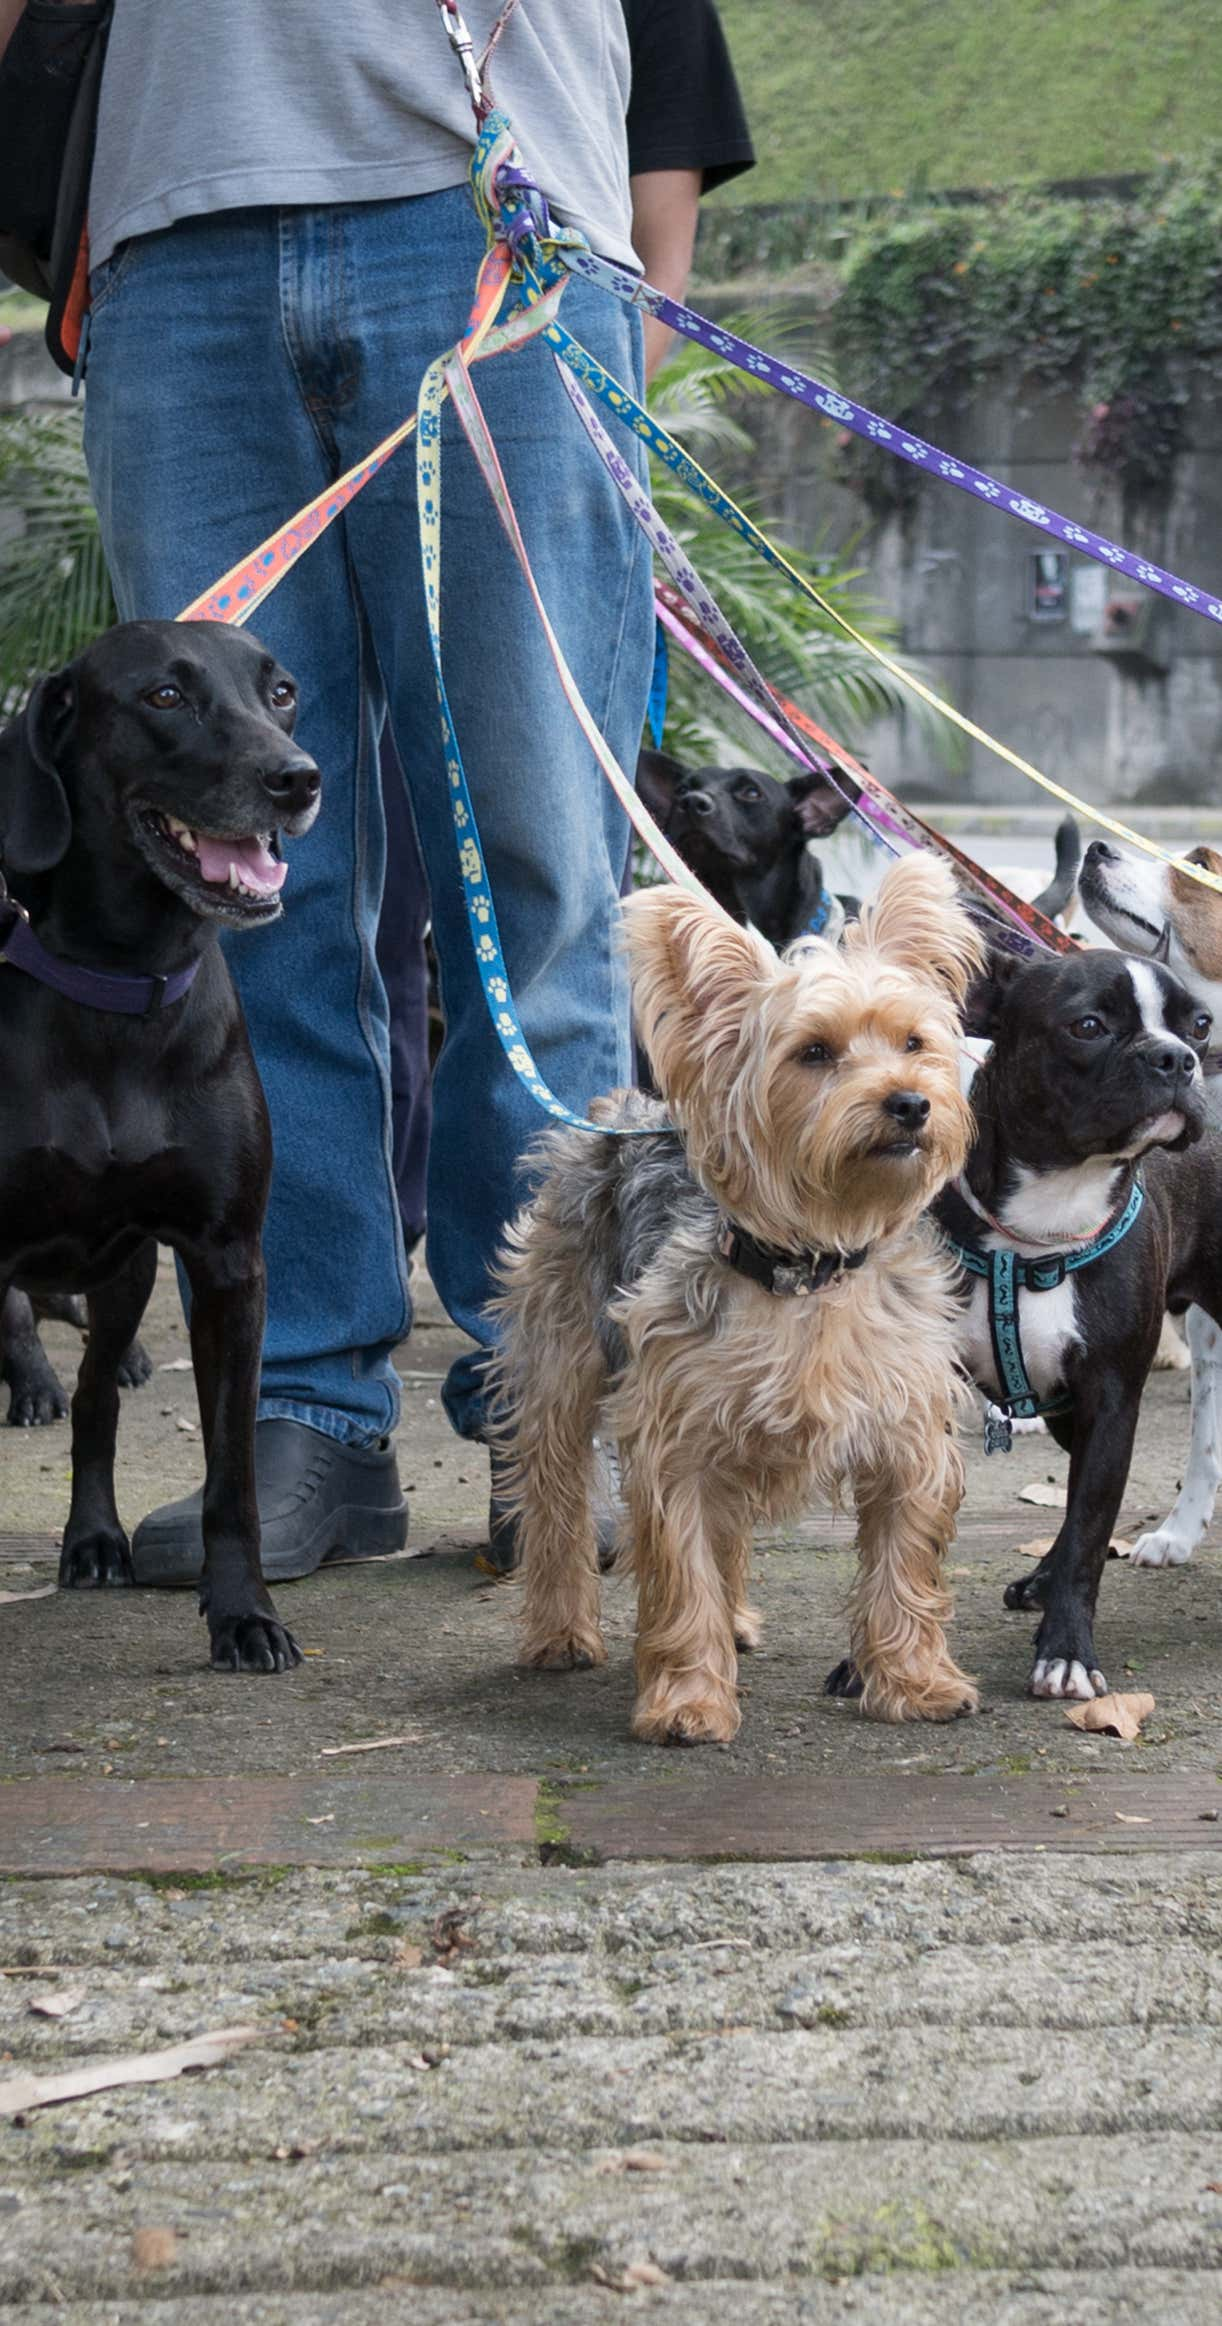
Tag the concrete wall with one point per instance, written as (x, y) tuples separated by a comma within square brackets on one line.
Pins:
[(957, 574)]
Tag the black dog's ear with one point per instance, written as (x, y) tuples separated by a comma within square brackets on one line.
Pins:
[(987, 993), (656, 777), (35, 822), (820, 809)]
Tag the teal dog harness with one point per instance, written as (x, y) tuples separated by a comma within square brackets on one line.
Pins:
[(1007, 1276)]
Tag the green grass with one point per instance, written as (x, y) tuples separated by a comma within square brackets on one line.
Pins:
[(853, 97)]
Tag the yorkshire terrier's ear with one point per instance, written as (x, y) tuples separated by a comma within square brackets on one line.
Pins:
[(916, 920), (697, 980)]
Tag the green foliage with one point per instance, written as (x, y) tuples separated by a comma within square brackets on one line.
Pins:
[(849, 97), (1117, 300), (54, 589), (704, 402)]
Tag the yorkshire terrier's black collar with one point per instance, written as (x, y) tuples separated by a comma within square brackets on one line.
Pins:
[(793, 1275)]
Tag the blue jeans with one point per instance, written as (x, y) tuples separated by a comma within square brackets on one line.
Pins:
[(238, 364)]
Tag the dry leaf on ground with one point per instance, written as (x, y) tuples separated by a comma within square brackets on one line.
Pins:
[(637, 2273), (177, 1365), (1038, 1548), (18, 2094), (12, 1598), (1121, 1819), (1112, 1715), (154, 2248), (1048, 1497), (56, 2006)]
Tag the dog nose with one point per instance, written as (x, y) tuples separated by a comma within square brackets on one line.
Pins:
[(294, 785), (1174, 1060), (1102, 854), (697, 803), (909, 1107)]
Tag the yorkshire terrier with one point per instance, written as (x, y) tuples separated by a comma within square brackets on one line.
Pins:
[(752, 1302)]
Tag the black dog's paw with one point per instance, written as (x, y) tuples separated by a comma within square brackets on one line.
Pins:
[(251, 1643), (844, 1679), (36, 1394), (1065, 1664), (96, 1561), (136, 1367), (1027, 1590)]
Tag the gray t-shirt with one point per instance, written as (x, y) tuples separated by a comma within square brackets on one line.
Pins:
[(225, 104)]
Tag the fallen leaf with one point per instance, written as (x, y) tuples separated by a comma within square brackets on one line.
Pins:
[(56, 2006), (1112, 1715), (154, 2248), (176, 1365), (1120, 1547), (12, 1598), (1048, 1497), (375, 1744), (637, 2273), (409, 1958), (1121, 1819), (187, 1427), (21, 2093), (1035, 1549), (329, 1819), (642, 2160), (1214, 2188)]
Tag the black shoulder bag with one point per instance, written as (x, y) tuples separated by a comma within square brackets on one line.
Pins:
[(50, 77)]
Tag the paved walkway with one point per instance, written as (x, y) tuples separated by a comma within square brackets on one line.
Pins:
[(839, 2023)]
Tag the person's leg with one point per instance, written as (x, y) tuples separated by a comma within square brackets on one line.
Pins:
[(403, 961), (554, 839), (215, 372)]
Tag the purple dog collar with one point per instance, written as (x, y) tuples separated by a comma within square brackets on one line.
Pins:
[(98, 989)]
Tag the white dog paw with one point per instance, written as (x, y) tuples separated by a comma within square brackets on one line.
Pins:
[(1054, 1677), (1160, 1549)]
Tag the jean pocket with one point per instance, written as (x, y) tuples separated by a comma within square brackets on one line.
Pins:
[(104, 281)]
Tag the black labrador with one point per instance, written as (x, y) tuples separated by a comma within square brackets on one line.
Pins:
[(142, 795)]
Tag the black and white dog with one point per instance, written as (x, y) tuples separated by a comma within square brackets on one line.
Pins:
[(1093, 1089)]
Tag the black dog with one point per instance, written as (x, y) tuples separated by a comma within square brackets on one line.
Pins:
[(1093, 1088), (35, 1394), (748, 838), (141, 795)]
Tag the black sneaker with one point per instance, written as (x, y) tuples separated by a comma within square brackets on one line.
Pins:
[(320, 1503)]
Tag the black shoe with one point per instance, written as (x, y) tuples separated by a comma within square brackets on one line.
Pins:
[(320, 1503), (501, 1556)]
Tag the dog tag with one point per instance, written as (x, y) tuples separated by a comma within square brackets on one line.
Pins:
[(998, 1435)]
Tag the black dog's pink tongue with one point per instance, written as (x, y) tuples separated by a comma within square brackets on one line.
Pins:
[(251, 860)]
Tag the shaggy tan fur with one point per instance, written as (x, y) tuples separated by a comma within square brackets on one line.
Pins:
[(729, 1404)]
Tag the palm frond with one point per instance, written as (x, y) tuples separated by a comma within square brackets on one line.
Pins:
[(54, 588)]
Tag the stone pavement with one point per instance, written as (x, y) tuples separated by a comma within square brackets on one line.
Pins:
[(840, 2023)]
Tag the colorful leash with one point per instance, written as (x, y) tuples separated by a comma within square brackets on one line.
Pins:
[(868, 800), (1031, 930), (847, 413)]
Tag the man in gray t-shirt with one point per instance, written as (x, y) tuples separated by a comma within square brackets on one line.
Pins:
[(282, 239)]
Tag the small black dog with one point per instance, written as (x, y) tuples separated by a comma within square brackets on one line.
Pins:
[(141, 797), (1092, 1092), (749, 839)]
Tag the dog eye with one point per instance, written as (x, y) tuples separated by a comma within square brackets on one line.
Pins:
[(747, 792), (1201, 1025), (164, 698), (283, 694), (1088, 1029), (817, 1054), (914, 1042)]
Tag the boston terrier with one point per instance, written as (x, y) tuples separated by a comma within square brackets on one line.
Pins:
[(1089, 1204)]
